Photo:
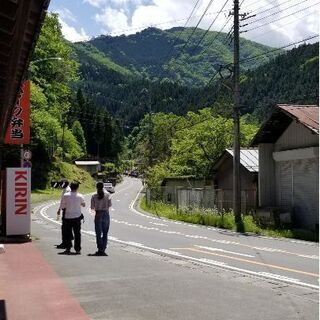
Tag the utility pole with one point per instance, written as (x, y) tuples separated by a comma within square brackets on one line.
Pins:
[(146, 97), (236, 121)]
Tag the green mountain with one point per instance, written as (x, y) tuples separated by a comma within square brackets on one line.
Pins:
[(289, 78), (127, 75), (179, 54)]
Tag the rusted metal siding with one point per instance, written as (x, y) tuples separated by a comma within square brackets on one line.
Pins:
[(296, 136), (266, 175)]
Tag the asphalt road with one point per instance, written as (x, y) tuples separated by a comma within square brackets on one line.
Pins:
[(163, 269)]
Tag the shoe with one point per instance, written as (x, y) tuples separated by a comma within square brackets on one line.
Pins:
[(100, 253), (78, 252), (61, 246), (67, 252)]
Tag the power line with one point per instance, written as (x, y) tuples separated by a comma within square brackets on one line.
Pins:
[(272, 14), (267, 5), (195, 28), (121, 31), (176, 40), (206, 32), (262, 34), (224, 42), (262, 25), (216, 36), (277, 49)]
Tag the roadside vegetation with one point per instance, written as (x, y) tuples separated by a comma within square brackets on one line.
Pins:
[(216, 219), (63, 170)]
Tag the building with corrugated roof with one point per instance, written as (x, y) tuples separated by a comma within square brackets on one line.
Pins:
[(91, 166), (223, 179), (288, 144)]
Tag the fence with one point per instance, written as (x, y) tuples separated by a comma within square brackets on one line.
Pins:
[(201, 198), (224, 200)]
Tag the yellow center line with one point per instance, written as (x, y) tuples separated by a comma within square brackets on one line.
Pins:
[(249, 261)]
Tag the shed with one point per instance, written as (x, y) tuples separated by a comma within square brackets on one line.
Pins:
[(188, 191), (91, 166), (288, 144), (223, 179)]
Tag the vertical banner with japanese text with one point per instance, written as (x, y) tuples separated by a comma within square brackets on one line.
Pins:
[(18, 131), (18, 189)]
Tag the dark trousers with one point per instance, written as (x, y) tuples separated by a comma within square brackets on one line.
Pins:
[(73, 225), (63, 228)]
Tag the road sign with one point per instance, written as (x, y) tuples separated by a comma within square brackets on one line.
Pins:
[(27, 154), (27, 164)]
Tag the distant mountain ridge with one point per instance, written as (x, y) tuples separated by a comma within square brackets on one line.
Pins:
[(114, 74), (154, 53)]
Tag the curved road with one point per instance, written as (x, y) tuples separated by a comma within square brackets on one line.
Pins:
[(289, 261)]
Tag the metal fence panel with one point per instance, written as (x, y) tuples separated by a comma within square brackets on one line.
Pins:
[(201, 198)]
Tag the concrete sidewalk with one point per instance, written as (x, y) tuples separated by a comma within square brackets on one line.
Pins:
[(30, 289)]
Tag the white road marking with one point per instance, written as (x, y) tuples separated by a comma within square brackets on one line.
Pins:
[(278, 277), (315, 257), (226, 251), (174, 254), (159, 224)]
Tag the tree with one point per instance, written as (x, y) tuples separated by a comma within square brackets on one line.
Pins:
[(78, 133), (52, 72), (187, 145)]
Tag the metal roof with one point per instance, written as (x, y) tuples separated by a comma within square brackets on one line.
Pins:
[(87, 163), (249, 158), (306, 115), (282, 117)]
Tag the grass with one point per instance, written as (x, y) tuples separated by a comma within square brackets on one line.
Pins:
[(225, 221), (63, 170), (39, 196)]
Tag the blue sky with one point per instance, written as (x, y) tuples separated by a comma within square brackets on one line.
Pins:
[(274, 22)]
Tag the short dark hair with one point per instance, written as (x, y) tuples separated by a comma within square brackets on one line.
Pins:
[(64, 183), (74, 185)]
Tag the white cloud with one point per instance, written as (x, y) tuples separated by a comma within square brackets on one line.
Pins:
[(112, 19), (96, 3), (71, 34), (66, 14), (148, 16), (125, 2), (128, 16)]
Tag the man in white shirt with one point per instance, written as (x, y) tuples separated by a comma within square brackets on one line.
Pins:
[(64, 184), (72, 203)]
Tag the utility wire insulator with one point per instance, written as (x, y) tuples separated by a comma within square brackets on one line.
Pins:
[(248, 17)]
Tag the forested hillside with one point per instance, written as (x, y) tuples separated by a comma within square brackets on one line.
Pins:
[(115, 70), (176, 54), (291, 77)]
